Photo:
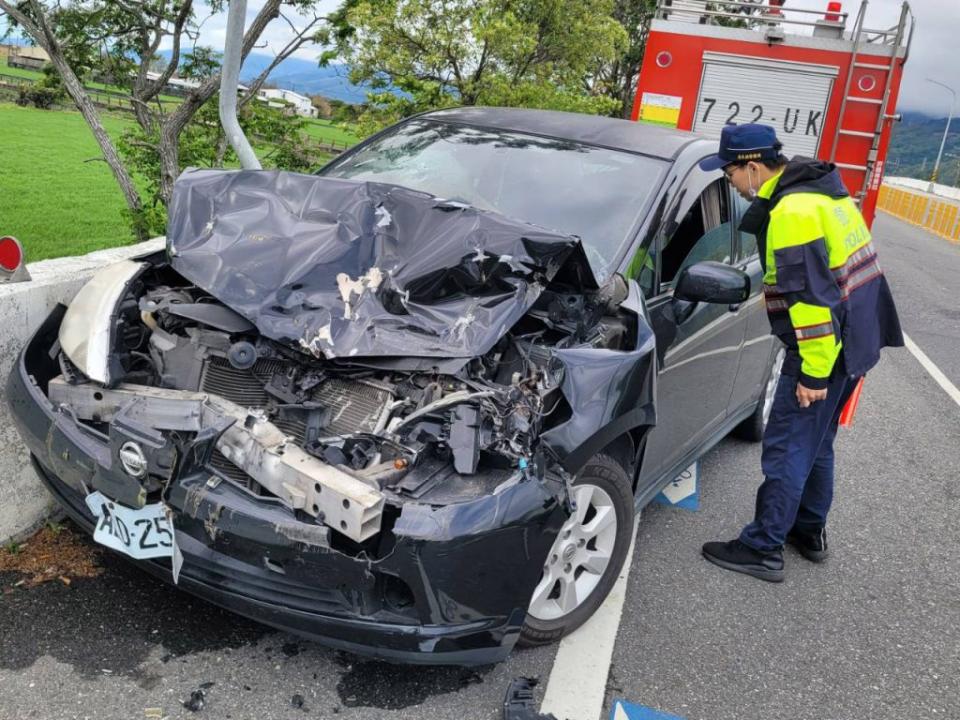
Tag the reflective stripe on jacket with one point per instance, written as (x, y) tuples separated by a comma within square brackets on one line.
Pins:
[(823, 286)]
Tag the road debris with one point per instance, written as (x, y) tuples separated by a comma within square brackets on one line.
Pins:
[(55, 552), (519, 704), (196, 701)]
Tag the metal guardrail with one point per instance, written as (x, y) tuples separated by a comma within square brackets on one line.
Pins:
[(15, 80), (746, 10), (758, 14)]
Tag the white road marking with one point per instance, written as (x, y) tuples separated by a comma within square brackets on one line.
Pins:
[(578, 680), (935, 372)]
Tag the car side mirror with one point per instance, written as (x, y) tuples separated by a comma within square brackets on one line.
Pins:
[(712, 282)]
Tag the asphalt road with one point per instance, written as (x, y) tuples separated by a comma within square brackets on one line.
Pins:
[(872, 634)]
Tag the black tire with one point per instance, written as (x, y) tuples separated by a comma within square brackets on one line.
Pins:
[(605, 473), (752, 428)]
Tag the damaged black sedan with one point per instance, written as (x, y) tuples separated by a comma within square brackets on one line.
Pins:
[(409, 406)]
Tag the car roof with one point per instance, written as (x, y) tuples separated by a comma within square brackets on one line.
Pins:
[(653, 140)]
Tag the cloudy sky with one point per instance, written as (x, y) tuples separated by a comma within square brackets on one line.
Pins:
[(274, 38), (932, 54)]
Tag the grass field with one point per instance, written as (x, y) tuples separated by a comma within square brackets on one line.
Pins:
[(19, 72), (56, 195), (51, 199), (326, 131)]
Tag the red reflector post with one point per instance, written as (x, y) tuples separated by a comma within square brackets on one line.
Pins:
[(850, 408), (833, 12), (12, 268), (11, 254)]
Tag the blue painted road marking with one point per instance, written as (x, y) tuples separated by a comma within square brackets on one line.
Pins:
[(628, 711), (684, 492)]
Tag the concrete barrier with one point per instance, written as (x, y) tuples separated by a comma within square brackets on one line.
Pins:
[(944, 191), (24, 503), (939, 215)]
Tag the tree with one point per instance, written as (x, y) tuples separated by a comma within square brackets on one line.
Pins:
[(201, 63), (324, 109), (202, 144), (419, 54), (618, 79), (122, 37)]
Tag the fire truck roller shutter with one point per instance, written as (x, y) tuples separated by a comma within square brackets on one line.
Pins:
[(790, 96)]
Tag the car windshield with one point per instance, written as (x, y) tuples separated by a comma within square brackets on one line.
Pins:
[(594, 193)]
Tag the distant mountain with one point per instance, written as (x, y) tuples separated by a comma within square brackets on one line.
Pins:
[(914, 145), (303, 76)]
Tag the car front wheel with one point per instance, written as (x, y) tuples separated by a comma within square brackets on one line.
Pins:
[(752, 428), (587, 556)]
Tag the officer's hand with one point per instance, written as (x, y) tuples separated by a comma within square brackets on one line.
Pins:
[(806, 397)]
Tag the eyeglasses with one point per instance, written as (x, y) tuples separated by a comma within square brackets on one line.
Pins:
[(729, 174)]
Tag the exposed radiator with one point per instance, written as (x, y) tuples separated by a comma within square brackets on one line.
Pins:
[(350, 406), (353, 406), (244, 387)]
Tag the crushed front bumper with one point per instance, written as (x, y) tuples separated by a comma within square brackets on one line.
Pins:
[(445, 584)]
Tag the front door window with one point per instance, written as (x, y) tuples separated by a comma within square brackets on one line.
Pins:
[(703, 233)]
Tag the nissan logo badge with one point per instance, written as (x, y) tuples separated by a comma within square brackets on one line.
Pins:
[(133, 460)]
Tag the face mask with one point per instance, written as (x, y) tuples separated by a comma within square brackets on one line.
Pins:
[(752, 191)]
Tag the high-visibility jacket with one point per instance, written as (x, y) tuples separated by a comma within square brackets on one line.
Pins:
[(824, 290)]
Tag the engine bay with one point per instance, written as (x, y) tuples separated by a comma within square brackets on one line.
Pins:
[(404, 426)]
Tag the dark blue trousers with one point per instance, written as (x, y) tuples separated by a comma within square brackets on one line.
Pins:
[(797, 463)]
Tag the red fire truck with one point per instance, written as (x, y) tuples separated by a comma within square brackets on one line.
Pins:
[(828, 90)]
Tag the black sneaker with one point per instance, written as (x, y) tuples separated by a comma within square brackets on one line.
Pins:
[(812, 545), (736, 556)]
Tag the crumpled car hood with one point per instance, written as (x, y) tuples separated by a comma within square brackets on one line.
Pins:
[(342, 268)]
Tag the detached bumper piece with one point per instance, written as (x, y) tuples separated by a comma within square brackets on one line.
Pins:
[(519, 704), (250, 442)]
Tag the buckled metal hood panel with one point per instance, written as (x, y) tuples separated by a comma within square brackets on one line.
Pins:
[(342, 268)]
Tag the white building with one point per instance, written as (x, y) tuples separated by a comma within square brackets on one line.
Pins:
[(182, 86), (278, 97)]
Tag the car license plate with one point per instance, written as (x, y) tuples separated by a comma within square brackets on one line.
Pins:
[(143, 533)]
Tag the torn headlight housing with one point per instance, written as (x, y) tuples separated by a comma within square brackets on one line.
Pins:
[(87, 333)]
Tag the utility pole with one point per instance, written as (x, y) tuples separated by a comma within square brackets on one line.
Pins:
[(956, 175), (946, 131)]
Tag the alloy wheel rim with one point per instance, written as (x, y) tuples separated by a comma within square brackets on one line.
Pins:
[(579, 556), (771, 388)]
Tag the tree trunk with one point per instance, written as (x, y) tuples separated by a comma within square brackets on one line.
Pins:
[(92, 117), (221, 151), (169, 151)]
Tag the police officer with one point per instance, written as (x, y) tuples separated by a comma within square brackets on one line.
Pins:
[(829, 303)]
